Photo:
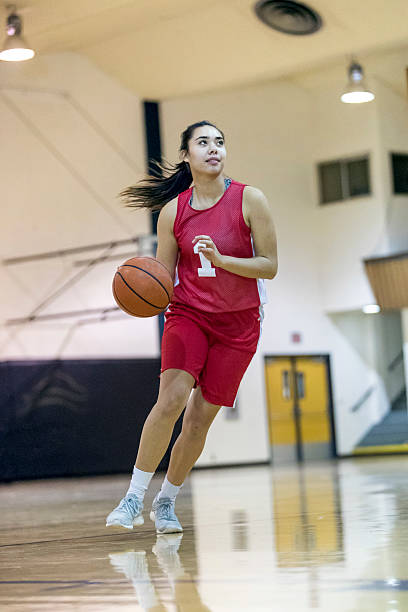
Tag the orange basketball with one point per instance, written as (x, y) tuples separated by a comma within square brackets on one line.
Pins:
[(142, 286)]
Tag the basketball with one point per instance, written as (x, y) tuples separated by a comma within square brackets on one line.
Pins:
[(142, 287)]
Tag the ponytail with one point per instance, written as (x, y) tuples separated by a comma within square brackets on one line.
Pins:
[(155, 191), (167, 181)]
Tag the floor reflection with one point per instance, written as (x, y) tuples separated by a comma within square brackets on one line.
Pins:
[(308, 522), (328, 536), (140, 568), (307, 518)]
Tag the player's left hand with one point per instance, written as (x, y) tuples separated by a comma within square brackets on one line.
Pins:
[(207, 247)]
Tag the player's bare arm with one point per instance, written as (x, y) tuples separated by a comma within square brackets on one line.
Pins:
[(258, 216), (167, 248)]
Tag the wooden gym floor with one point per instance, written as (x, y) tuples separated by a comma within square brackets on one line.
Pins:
[(329, 536)]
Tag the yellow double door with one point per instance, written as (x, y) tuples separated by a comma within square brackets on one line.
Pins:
[(299, 408)]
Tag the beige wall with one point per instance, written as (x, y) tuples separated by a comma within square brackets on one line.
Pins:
[(276, 133), (71, 140)]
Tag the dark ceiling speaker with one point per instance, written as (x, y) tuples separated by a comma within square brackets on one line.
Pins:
[(288, 17)]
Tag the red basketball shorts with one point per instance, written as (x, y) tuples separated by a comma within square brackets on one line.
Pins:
[(215, 348)]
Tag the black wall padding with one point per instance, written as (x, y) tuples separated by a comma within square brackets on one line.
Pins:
[(74, 417)]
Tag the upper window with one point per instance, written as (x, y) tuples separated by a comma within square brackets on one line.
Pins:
[(399, 163), (344, 179)]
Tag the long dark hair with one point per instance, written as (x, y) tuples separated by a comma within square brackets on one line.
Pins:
[(168, 180)]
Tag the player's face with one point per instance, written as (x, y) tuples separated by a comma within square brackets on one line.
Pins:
[(206, 151)]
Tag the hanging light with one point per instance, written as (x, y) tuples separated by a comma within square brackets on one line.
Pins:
[(371, 308), (15, 49), (356, 91)]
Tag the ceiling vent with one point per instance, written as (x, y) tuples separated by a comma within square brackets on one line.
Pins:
[(288, 17)]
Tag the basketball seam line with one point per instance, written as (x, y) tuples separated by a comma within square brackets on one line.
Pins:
[(139, 296), (146, 272), (152, 259), (121, 304)]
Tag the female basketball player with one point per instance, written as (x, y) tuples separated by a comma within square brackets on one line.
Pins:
[(218, 241)]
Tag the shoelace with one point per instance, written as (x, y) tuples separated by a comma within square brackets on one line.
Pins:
[(164, 510), (131, 504)]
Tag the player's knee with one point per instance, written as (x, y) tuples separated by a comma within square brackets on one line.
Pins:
[(171, 406), (195, 428), (198, 419), (196, 424)]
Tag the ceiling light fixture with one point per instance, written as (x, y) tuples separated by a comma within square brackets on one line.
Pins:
[(15, 48), (356, 92), (371, 309)]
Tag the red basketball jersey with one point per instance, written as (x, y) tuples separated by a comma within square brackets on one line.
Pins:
[(198, 283)]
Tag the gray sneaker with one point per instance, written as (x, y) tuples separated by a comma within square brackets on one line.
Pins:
[(164, 516), (127, 514)]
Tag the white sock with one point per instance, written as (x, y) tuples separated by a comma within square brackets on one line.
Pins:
[(168, 489), (139, 483)]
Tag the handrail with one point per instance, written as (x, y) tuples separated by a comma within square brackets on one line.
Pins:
[(363, 399), (398, 359)]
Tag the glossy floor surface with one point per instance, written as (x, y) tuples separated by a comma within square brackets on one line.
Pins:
[(327, 536)]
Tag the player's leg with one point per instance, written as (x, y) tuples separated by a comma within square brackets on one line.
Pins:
[(219, 382), (175, 387), (197, 419), (232, 340), (189, 445), (184, 350)]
